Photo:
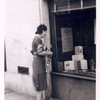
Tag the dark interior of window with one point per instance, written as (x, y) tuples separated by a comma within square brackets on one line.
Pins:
[(82, 24)]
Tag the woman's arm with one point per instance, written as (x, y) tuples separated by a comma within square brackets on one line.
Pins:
[(45, 53)]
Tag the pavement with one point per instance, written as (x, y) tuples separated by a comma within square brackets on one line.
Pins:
[(13, 95)]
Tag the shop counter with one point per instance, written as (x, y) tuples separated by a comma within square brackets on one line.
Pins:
[(72, 86)]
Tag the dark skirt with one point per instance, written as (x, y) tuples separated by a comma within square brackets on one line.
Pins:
[(39, 74)]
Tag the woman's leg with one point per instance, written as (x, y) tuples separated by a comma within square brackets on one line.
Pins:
[(39, 95), (44, 97)]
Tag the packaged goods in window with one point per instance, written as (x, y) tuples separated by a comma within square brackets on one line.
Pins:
[(77, 57), (78, 50), (60, 67), (92, 64), (69, 65), (77, 65), (82, 64), (67, 39)]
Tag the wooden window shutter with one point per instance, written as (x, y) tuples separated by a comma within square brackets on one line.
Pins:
[(89, 3), (65, 5)]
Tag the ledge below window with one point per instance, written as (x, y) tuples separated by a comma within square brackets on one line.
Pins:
[(74, 76)]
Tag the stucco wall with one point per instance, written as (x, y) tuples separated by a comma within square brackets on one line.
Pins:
[(21, 20)]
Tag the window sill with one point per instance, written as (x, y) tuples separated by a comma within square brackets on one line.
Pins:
[(74, 76)]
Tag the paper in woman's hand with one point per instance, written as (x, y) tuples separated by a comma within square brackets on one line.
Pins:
[(42, 52)]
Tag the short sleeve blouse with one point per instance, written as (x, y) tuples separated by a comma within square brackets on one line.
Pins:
[(36, 42)]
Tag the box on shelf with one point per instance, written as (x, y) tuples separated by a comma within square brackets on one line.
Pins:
[(78, 50), (77, 57), (77, 65), (60, 67), (69, 65), (82, 64)]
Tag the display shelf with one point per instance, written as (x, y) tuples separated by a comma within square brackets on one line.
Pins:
[(74, 76)]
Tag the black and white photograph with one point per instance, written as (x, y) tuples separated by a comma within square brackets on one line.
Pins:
[(49, 49)]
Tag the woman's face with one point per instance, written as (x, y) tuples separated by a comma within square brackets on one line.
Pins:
[(43, 34)]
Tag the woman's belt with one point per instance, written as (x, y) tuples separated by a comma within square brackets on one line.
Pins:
[(37, 56)]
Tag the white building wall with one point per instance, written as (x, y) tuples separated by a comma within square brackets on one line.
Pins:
[(2, 9), (21, 20)]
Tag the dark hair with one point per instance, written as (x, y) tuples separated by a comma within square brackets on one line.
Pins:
[(41, 28)]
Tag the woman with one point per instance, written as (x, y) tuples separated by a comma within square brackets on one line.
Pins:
[(39, 52)]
